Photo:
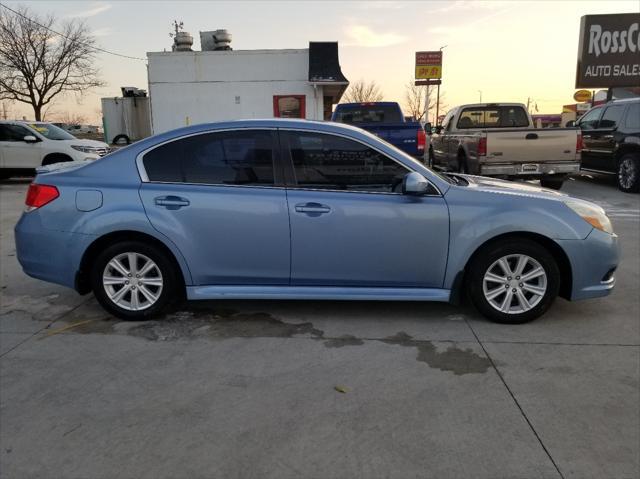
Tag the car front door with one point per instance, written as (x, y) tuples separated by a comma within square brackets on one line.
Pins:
[(219, 197), (603, 138), (17, 153), (350, 224), (590, 152)]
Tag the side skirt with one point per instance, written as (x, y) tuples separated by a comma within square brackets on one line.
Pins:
[(318, 293)]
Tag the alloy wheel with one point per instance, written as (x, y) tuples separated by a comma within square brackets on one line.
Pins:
[(627, 173), (514, 284), (132, 281)]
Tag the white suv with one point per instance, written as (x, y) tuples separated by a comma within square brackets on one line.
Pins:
[(27, 145)]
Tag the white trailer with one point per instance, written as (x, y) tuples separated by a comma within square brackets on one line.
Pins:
[(126, 119)]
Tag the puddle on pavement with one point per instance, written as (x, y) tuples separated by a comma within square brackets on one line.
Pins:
[(453, 359), (228, 323)]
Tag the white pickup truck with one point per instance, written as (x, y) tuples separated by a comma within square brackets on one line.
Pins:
[(25, 146), (499, 139)]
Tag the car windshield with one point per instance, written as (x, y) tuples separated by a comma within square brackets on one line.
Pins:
[(355, 114), (51, 131)]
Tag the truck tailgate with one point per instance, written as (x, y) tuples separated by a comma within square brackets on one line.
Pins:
[(401, 135), (534, 145)]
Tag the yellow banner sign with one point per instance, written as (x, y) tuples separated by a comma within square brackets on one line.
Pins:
[(428, 72)]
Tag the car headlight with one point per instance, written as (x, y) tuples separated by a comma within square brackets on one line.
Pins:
[(592, 214), (84, 149)]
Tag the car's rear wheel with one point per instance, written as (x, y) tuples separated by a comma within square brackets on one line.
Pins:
[(54, 158), (134, 281), (629, 173), (513, 281)]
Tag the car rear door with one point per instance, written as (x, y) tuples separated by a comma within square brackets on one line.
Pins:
[(350, 224), (219, 197)]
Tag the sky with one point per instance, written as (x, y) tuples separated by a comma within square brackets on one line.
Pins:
[(508, 50)]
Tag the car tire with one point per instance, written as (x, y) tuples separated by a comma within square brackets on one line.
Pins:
[(126, 296), (552, 182), (519, 295), (628, 173), (121, 140), (55, 158)]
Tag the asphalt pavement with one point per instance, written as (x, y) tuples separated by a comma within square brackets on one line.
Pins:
[(291, 389)]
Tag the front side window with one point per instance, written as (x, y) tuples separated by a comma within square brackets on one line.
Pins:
[(13, 132), (50, 131), (493, 117), (322, 161), (446, 123), (590, 119), (225, 158), (612, 116)]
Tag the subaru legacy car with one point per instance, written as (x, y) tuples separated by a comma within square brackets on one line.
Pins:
[(294, 209)]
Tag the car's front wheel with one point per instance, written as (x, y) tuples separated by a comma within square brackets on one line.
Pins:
[(513, 281), (133, 280)]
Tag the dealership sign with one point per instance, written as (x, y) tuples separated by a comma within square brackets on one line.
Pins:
[(609, 51), (428, 65)]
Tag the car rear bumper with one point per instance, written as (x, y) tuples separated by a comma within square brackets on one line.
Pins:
[(529, 169), (47, 254), (593, 264)]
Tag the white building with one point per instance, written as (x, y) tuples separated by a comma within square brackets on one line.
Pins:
[(189, 87)]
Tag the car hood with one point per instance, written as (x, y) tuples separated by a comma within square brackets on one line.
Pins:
[(494, 185), (79, 142)]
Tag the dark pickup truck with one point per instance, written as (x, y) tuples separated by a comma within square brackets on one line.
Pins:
[(385, 120)]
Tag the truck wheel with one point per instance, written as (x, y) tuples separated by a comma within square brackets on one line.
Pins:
[(463, 166), (121, 140), (552, 182), (629, 173), (513, 281), (55, 158)]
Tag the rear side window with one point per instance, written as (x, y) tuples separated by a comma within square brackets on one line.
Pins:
[(632, 120), (322, 161), (225, 158), (493, 117), (612, 116)]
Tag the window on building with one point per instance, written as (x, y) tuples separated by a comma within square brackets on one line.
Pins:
[(225, 158), (289, 106), (323, 161)]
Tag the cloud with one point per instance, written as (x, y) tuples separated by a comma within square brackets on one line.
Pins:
[(382, 5), (92, 12), (363, 36), (102, 32)]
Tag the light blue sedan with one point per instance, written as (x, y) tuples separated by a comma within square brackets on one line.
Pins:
[(290, 209)]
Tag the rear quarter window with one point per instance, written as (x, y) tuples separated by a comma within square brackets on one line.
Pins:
[(632, 120)]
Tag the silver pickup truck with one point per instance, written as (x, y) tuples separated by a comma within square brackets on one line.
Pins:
[(499, 139)]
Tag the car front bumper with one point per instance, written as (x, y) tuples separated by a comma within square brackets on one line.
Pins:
[(593, 264)]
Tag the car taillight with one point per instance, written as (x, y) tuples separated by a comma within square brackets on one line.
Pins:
[(421, 139), (579, 144), (40, 195), (482, 146)]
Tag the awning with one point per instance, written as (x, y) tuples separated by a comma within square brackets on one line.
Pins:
[(324, 69)]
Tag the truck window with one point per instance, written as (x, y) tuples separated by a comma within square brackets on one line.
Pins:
[(493, 117), (590, 119), (612, 116), (354, 114), (633, 117)]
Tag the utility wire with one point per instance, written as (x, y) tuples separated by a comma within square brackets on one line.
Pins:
[(102, 50)]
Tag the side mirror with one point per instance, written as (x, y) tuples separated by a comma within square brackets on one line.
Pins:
[(414, 184), (30, 139)]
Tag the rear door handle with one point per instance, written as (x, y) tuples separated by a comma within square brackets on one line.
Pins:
[(313, 208), (172, 202), (531, 136)]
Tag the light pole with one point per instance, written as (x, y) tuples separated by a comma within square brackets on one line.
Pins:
[(438, 92), (480, 91)]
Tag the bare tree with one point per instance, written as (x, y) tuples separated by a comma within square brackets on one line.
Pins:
[(362, 91), (414, 100), (36, 64)]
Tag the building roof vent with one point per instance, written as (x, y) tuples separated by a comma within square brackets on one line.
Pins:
[(182, 41), (217, 40)]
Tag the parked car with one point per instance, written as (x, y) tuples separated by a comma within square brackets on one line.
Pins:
[(385, 120), (25, 146), (290, 209), (611, 136), (82, 129), (499, 139)]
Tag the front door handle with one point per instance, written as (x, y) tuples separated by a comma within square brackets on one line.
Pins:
[(312, 208), (172, 202)]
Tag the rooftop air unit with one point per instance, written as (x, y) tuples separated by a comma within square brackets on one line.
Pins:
[(217, 40)]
